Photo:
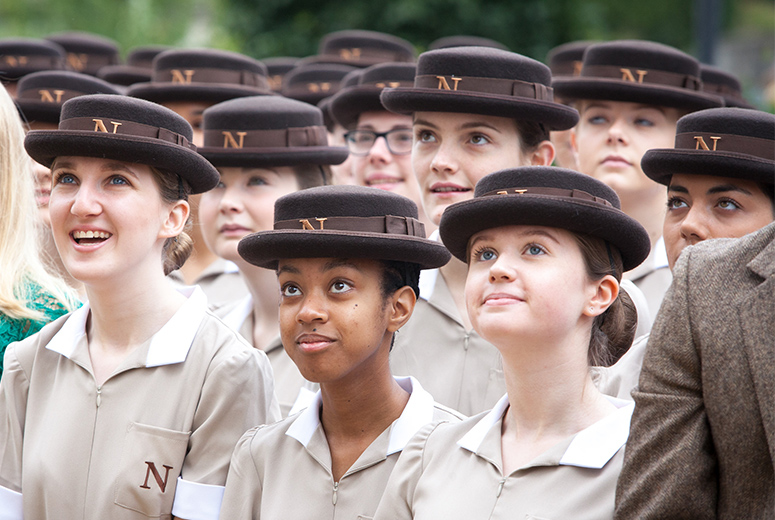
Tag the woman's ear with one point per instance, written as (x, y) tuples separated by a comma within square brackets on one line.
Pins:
[(176, 219), (606, 290), (401, 306), (543, 155)]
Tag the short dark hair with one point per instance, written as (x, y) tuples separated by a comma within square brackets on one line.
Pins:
[(399, 274), (531, 134), (312, 175)]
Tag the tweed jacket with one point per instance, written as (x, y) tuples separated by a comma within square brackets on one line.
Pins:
[(702, 439)]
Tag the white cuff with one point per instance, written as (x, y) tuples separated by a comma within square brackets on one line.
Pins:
[(10, 504), (195, 501)]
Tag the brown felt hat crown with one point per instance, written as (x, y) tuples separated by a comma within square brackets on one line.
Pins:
[(86, 52), (722, 142), (465, 41), (482, 80), (40, 95), (207, 75), (263, 131), (545, 196), (22, 56), (276, 69), (313, 82), (344, 222), (352, 101), (125, 129), (722, 83), (362, 49), (567, 59), (349, 80), (638, 72), (138, 68)]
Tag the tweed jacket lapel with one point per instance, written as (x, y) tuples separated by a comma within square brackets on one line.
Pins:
[(757, 319)]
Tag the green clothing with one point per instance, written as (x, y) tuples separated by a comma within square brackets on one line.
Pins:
[(12, 329)]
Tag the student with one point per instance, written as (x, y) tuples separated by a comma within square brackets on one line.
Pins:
[(630, 94), (347, 259), (264, 147), (495, 114), (726, 191), (22, 56), (30, 295), (130, 406), (380, 142), (188, 81), (545, 248)]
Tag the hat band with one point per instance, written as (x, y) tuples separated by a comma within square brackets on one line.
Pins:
[(55, 96), (280, 138), (188, 75), (499, 86), (41, 62), (385, 225), (385, 83), (357, 54), (572, 195), (80, 61), (567, 68), (762, 148), (107, 125), (638, 75), (327, 88)]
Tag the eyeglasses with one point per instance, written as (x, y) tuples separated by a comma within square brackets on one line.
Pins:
[(399, 141)]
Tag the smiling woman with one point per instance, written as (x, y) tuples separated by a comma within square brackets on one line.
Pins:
[(142, 377)]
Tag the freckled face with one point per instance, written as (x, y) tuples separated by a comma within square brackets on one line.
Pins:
[(700, 207), (334, 322)]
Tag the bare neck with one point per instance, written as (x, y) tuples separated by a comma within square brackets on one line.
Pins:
[(649, 210), (455, 273), (201, 258), (265, 292)]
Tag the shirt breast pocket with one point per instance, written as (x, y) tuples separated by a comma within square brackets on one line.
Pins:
[(151, 462)]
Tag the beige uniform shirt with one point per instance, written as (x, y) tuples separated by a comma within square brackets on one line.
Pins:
[(458, 367), (283, 471), (653, 278), (221, 282), (154, 440), (288, 381), (453, 471), (621, 379)]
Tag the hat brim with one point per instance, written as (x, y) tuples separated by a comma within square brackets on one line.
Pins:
[(291, 156), (463, 220), (627, 91), (660, 164), (125, 75), (212, 92), (39, 111), (349, 104), (407, 100), (266, 248), (46, 145)]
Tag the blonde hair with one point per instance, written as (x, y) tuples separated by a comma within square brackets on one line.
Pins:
[(20, 242)]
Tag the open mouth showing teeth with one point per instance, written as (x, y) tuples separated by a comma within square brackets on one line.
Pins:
[(450, 189), (90, 237)]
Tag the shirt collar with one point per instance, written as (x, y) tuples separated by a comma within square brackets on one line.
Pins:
[(592, 447), (660, 254), (168, 346), (417, 413), (237, 315), (428, 276)]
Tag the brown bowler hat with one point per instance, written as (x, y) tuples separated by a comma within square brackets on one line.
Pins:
[(262, 131), (344, 222), (482, 80), (566, 59), (138, 68), (202, 75), (722, 142), (22, 56), (350, 102), (325, 104), (277, 68), (40, 95), (722, 83), (87, 53), (362, 49), (545, 196), (314, 82), (125, 129), (465, 41), (638, 72)]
